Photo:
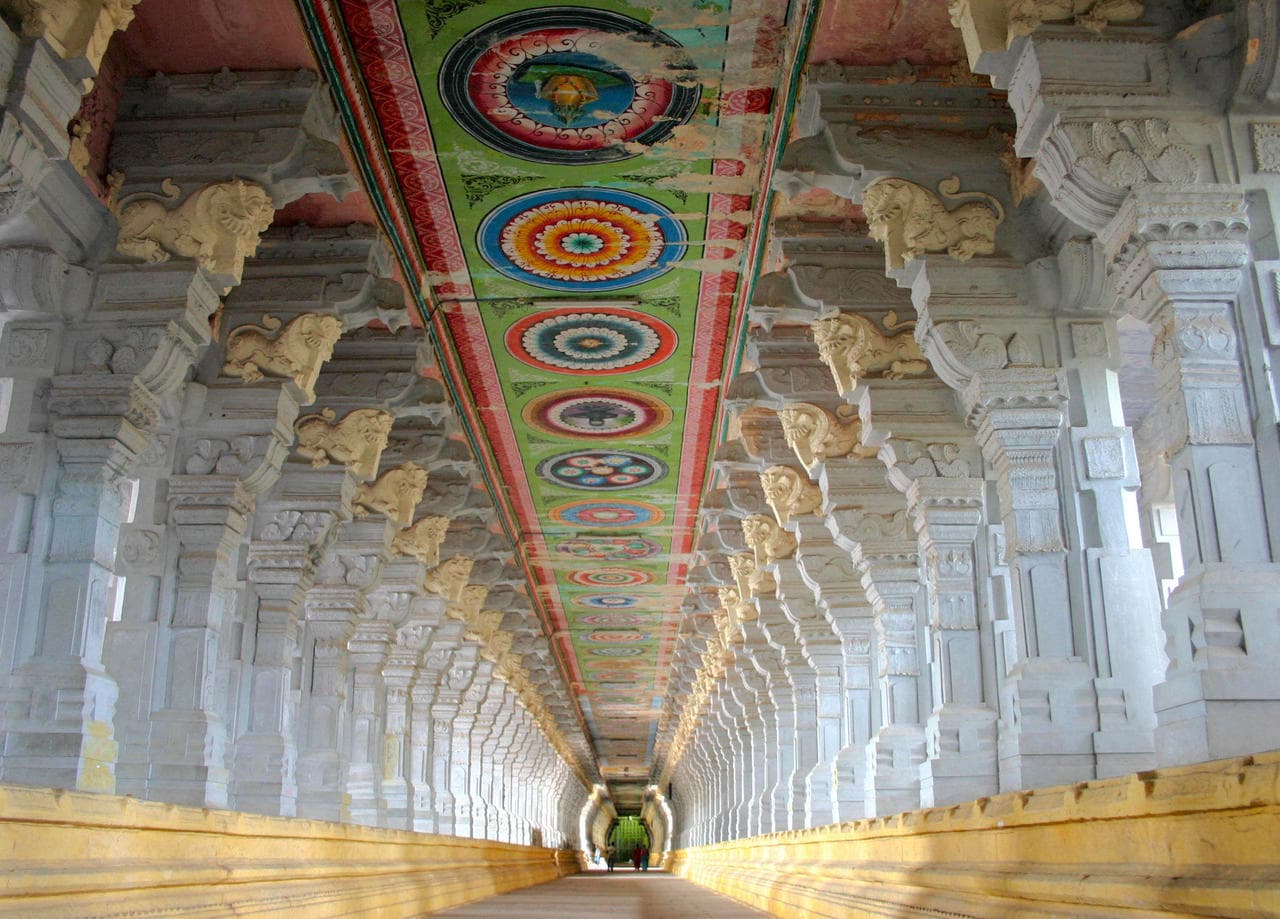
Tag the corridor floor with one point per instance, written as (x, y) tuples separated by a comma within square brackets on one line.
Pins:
[(620, 895)]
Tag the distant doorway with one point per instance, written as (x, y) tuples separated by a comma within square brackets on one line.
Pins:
[(626, 835)]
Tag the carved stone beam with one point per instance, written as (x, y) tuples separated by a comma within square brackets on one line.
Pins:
[(990, 27)]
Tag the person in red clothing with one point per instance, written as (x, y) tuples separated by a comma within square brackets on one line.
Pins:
[(636, 855)]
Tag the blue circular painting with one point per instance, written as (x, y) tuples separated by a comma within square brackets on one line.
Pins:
[(608, 601), (581, 239), (569, 86)]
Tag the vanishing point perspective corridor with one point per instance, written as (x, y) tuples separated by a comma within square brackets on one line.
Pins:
[(640, 458)]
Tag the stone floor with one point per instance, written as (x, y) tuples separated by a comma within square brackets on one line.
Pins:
[(624, 894)]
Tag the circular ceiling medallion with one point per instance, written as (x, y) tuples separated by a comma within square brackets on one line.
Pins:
[(596, 470), (617, 652), (607, 515), (581, 239), (567, 86), (615, 636), (610, 577), (603, 341), (594, 413), (609, 548), (613, 620), (607, 601)]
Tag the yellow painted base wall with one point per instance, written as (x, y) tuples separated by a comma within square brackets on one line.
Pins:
[(71, 854), (1189, 841)]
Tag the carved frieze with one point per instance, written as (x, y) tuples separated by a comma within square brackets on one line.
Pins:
[(422, 540), (1025, 16), (219, 226), (357, 441), (396, 493), (1125, 153), (789, 493), (854, 348), (910, 220), (297, 351)]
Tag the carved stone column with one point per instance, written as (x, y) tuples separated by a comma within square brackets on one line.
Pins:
[(1176, 259)]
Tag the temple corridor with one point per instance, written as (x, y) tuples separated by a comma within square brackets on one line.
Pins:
[(827, 448), (621, 895)]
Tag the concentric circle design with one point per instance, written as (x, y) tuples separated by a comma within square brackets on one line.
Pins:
[(557, 85), (602, 471), (616, 637), (608, 601), (595, 413), (581, 239), (604, 341), (610, 577), (613, 620), (607, 515), (617, 652), (609, 549)]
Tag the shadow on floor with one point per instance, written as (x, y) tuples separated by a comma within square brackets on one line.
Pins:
[(622, 894)]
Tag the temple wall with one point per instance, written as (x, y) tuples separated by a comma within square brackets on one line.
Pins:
[(73, 854), (1184, 841)]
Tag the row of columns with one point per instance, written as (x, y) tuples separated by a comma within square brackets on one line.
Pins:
[(248, 561), (937, 561)]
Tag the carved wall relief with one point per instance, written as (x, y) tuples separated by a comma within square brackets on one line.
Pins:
[(357, 441), (1025, 16), (219, 226), (298, 350), (449, 577), (396, 493), (911, 220), (1123, 154), (854, 348), (422, 540), (789, 493)]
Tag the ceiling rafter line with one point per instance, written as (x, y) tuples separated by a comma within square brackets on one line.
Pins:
[(324, 42)]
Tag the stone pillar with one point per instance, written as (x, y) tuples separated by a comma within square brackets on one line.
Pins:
[(1181, 274)]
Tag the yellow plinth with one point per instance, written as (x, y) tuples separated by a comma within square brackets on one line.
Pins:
[(1189, 841), (71, 854)]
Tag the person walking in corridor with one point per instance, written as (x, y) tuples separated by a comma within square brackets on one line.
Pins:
[(635, 857), (644, 858), (610, 853)]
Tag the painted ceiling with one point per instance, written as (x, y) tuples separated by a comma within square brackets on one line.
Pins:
[(577, 188)]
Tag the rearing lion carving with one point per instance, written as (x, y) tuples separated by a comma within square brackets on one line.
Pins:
[(911, 220), (854, 348), (297, 352)]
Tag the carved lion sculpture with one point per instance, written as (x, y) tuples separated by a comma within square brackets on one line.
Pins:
[(396, 493), (218, 226), (854, 348), (911, 220), (357, 440), (297, 352)]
